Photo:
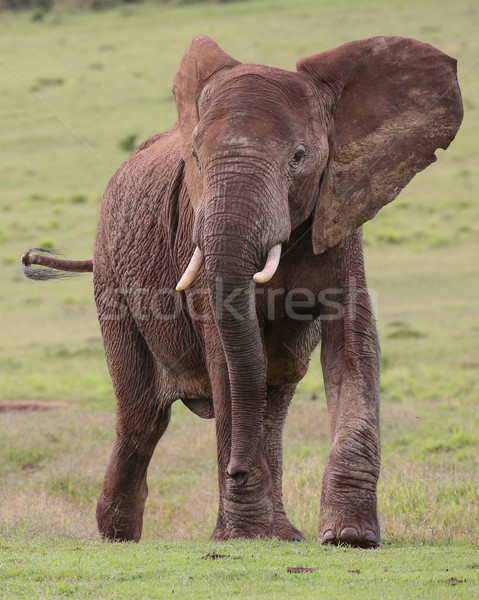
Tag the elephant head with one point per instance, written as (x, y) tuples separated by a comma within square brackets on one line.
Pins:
[(265, 149)]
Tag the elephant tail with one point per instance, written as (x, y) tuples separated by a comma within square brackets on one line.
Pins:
[(52, 266)]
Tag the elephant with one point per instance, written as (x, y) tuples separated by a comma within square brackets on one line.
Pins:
[(230, 247)]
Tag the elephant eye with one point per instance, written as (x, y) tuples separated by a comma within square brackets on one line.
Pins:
[(197, 160), (298, 157)]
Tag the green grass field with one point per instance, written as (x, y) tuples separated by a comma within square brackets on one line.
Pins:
[(76, 89)]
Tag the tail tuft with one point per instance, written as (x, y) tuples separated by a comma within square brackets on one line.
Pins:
[(44, 273), (41, 273)]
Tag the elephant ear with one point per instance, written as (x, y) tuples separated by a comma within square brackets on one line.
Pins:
[(202, 59), (396, 100)]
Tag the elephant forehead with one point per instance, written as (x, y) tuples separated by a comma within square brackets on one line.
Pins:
[(241, 128), (254, 103), (257, 89)]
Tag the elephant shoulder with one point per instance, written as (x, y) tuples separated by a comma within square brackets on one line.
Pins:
[(165, 144), (139, 204), (149, 175)]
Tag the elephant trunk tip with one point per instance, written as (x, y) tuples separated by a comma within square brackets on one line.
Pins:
[(239, 468), (239, 477)]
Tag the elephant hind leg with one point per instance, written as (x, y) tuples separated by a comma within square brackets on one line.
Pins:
[(142, 418)]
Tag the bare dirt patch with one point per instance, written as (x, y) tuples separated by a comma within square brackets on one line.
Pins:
[(9, 405), (300, 570)]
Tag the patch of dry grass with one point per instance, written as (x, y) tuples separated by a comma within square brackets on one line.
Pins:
[(53, 465)]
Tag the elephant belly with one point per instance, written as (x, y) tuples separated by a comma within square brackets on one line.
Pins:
[(289, 345), (179, 359)]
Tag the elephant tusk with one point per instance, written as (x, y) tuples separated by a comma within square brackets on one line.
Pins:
[(191, 270), (271, 265)]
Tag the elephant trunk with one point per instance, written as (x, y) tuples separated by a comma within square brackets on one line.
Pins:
[(231, 259)]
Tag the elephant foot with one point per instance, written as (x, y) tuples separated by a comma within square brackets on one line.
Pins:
[(288, 534), (281, 529), (348, 513), (225, 534), (119, 521), (284, 530), (246, 508), (349, 518), (358, 533)]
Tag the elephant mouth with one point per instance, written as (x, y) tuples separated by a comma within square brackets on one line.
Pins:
[(198, 258)]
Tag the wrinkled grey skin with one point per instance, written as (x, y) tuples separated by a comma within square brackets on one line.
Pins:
[(259, 157)]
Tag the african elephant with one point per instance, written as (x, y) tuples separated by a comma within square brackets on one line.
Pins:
[(254, 202)]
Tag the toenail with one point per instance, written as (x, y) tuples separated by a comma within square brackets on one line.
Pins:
[(328, 536), (370, 537), (349, 534)]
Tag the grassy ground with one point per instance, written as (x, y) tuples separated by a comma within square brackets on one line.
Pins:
[(243, 569), (75, 88)]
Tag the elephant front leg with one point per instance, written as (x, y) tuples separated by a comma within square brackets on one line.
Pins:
[(279, 398), (350, 360)]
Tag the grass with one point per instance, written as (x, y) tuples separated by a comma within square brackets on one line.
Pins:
[(243, 569), (98, 81)]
